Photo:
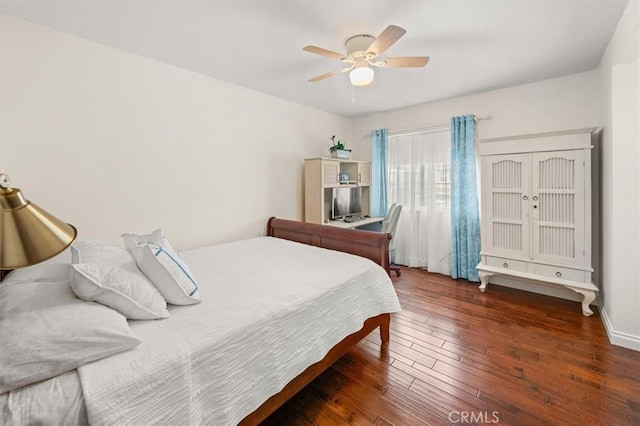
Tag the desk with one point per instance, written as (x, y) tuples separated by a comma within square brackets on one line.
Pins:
[(353, 225)]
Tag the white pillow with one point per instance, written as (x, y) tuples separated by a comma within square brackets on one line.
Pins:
[(161, 263), (96, 251), (40, 272), (46, 331), (126, 291), (108, 274)]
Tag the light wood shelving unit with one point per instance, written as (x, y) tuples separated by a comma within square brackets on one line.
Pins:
[(323, 174)]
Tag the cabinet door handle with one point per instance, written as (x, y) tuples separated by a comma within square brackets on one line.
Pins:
[(359, 177), (525, 198), (505, 264), (558, 274), (535, 198)]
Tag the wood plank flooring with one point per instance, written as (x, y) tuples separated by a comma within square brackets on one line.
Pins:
[(459, 356)]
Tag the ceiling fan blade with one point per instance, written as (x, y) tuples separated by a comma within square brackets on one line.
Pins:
[(330, 74), (403, 62), (324, 52), (385, 40)]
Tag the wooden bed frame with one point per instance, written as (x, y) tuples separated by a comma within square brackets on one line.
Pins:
[(372, 245)]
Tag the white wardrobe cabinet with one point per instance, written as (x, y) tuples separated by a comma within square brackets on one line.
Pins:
[(536, 210)]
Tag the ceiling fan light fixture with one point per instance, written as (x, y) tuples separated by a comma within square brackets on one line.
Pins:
[(363, 52), (361, 76)]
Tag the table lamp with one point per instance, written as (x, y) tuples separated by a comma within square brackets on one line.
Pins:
[(28, 234)]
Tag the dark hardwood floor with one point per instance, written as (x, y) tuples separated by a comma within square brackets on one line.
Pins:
[(459, 356)]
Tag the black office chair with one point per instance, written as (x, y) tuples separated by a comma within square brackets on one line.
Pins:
[(389, 225)]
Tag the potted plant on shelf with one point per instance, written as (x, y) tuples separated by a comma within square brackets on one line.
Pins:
[(338, 150)]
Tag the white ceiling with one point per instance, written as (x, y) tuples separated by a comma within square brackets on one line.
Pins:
[(474, 46)]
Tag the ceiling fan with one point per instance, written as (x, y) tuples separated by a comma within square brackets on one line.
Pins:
[(364, 51)]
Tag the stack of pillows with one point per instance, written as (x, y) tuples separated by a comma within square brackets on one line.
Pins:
[(137, 282), (46, 330)]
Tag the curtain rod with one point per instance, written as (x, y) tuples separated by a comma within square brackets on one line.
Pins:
[(433, 128)]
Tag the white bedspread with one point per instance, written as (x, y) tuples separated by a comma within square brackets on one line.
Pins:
[(270, 308)]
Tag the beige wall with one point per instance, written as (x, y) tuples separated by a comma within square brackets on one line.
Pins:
[(113, 142), (560, 104), (619, 77)]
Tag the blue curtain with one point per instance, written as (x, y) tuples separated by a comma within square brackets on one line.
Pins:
[(378, 197), (465, 214)]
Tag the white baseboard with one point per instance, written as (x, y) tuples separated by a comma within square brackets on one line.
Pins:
[(617, 338)]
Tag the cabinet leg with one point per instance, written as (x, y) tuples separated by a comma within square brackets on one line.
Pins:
[(484, 280), (588, 297)]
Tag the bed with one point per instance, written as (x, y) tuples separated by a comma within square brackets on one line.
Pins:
[(275, 313)]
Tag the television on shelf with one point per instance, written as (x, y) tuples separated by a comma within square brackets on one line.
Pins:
[(347, 201)]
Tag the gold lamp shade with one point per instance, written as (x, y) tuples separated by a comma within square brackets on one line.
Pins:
[(28, 234)]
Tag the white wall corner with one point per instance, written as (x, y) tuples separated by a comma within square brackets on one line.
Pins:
[(619, 95), (617, 338)]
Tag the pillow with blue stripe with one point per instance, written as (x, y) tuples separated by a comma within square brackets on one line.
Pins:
[(161, 263)]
